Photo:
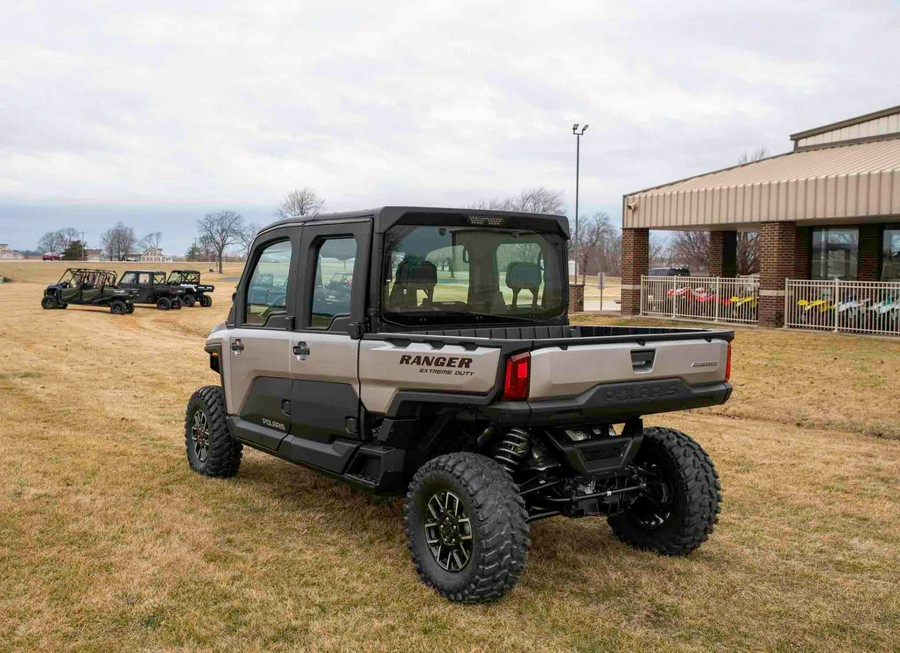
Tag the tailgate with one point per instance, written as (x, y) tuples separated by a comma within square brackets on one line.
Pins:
[(566, 371)]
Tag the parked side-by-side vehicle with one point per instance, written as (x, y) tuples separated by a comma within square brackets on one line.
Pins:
[(195, 292), (151, 287), (88, 286), (428, 352)]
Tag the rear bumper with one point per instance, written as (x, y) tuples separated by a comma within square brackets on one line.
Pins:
[(613, 402)]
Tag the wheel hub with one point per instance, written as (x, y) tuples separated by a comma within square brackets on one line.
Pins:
[(448, 531), (200, 435)]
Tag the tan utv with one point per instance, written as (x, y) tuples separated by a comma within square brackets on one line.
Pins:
[(428, 352)]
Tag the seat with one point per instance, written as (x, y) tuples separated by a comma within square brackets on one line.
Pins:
[(412, 276), (524, 276)]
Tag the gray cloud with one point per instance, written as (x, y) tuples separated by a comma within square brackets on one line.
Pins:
[(233, 103)]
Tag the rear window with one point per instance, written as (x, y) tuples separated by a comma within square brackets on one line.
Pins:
[(471, 275)]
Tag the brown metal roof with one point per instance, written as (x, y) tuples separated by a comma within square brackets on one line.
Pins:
[(846, 181)]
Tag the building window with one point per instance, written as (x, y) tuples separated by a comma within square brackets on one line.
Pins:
[(835, 253), (890, 256)]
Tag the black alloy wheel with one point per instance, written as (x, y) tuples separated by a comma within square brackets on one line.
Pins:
[(448, 532)]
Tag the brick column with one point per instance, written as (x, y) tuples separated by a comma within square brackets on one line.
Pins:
[(635, 262), (777, 262), (722, 253), (869, 257)]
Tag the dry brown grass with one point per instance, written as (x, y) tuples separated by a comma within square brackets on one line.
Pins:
[(109, 542)]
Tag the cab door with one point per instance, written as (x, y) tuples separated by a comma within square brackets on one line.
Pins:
[(258, 348), (325, 401)]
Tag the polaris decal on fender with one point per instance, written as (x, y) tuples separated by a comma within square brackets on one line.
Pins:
[(439, 364)]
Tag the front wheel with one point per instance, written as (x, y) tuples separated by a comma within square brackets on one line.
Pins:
[(118, 307), (466, 527), (211, 450), (163, 303), (205, 301), (189, 300), (679, 508), (48, 302), (177, 304)]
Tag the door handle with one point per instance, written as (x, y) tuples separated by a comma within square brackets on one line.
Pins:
[(237, 345), (301, 349)]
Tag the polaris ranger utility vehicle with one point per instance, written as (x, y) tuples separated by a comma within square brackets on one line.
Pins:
[(194, 291), (444, 367), (150, 287), (88, 286)]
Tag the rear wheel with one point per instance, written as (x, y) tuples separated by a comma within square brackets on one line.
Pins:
[(680, 506), (48, 302), (205, 301), (211, 450), (466, 527), (163, 303), (130, 308), (118, 307), (177, 304), (189, 300)]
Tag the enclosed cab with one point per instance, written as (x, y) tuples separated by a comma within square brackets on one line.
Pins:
[(428, 351), (151, 287)]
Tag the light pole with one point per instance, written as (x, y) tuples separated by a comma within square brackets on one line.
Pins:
[(578, 135)]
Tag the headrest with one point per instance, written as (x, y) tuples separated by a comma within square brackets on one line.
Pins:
[(417, 272), (521, 275)]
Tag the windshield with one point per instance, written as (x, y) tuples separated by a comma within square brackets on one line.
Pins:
[(470, 275)]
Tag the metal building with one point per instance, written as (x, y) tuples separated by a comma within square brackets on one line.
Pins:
[(828, 209)]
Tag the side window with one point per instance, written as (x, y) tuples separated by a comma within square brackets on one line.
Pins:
[(268, 287), (129, 278), (331, 294), (144, 278)]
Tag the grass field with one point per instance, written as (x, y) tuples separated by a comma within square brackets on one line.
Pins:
[(109, 542)]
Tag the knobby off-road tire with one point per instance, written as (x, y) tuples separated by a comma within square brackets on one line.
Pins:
[(117, 307), (48, 302), (164, 303), (205, 301), (177, 304), (189, 300), (681, 514), (211, 450), (477, 492), (130, 308)]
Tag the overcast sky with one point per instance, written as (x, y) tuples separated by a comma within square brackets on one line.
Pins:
[(154, 114)]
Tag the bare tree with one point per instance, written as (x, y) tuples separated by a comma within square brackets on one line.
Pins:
[(660, 256), (219, 231), (530, 200), (58, 241), (301, 201), (758, 154), (52, 241), (248, 233), (152, 240), (748, 252), (691, 248), (595, 234), (118, 242)]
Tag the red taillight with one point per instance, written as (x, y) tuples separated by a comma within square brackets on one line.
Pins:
[(515, 382), (728, 364)]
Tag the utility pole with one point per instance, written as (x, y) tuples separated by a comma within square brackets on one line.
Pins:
[(578, 135)]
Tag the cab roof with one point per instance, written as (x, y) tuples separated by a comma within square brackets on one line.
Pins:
[(387, 216)]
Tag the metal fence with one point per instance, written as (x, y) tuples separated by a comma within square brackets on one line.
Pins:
[(716, 299), (852, 306)]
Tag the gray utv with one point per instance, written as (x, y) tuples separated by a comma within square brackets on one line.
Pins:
[(428, 352)]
